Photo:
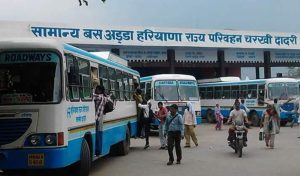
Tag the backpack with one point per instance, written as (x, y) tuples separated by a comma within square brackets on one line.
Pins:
[(108, 107), (151, 114)]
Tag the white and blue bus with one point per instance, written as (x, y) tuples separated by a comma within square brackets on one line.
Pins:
[(47, 112), (254, 92), (171, 89)]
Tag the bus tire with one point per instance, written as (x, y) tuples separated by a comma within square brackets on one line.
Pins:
[(82, 168), (283, 123), (12, 172), (124, 145), (253, 118), (210, 116)]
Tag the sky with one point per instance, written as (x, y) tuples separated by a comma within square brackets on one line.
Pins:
[(247, 15)]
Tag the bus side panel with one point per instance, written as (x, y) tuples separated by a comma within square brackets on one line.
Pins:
[(114, 133), (199, 119), (133, 128)]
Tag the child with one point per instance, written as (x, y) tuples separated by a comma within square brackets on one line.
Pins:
[(219, 117)]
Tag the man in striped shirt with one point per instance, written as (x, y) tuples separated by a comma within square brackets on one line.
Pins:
[(100, 100)]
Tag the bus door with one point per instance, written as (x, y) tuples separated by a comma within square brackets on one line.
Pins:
[(99, 124)]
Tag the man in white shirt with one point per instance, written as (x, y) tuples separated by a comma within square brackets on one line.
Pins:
[(237, 115)]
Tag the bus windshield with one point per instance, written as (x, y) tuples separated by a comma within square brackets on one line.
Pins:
[(188, 91), (171, 90), (166, 90), (283, 91), (29, 77)]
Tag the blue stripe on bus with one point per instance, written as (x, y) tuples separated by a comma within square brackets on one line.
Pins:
[(62, 157), (98, 58), (147, 78)]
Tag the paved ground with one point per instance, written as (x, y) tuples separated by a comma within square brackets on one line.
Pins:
[(211, 158)]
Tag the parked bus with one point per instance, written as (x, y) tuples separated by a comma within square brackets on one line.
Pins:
[(47, 112), (254, 92), (170, 89)]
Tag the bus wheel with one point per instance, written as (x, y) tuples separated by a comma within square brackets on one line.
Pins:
[(12, 172), (253, 117), (210, 116), (125, 144), (283, 123), (82, 168)]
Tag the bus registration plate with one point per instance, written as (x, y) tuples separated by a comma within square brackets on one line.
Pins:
[(36, 160)]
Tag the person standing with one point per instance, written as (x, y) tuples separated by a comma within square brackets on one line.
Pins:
[(174, 130), (162, 116), (243, 106), (189, 117), (219, 117), (100, 100), (270, 124), (146, 120), (137, 96)]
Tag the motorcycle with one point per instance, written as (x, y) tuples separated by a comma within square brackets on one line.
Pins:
[(238, 139)]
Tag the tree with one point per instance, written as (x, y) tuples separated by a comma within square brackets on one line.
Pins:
[(86, 2)]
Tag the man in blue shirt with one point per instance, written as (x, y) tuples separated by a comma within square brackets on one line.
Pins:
[(174, 130)]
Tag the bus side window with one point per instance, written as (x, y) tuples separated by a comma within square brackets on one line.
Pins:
[(112, 80), (261, 94), (209, 93), (131, 87), (85, 79), (148, 91), (202, 93), (73, 78), (235, 92), (126, 87), (218, 92), (226, 92), (143, 87), (243, 91), (252, 92), (119, 86), (104, 78)]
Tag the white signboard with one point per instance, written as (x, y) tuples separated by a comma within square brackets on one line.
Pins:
[(243, 55), (196, 55), (285, 56), (144, 54), (150, 36)]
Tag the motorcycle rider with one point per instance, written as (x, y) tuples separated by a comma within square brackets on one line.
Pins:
[(237, 114)]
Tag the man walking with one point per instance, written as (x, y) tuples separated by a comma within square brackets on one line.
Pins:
[(162, 116), (174, 130)]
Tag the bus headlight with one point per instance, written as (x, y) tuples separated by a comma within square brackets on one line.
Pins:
[(35, 140), (50, 139)]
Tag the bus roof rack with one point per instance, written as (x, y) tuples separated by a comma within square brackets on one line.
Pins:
[(220, 79)]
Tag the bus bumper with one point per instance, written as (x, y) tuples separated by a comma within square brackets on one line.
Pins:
[(38, 158)]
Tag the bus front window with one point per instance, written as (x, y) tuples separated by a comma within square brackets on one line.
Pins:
[(29, 77), (166, 91), (292, 90), (188, 91), (282, 91)]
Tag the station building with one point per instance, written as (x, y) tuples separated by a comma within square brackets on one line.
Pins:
[(154, 50)]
